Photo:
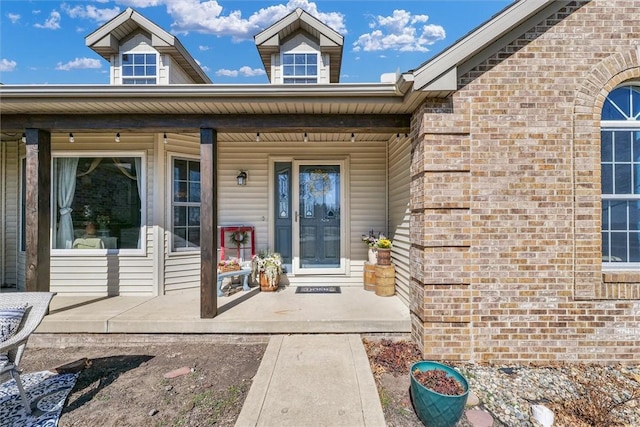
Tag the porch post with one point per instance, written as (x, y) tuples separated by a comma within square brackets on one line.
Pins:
[(38, 210), (208, 223)]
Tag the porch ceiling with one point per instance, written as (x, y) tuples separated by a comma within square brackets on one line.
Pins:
[(363, 108)]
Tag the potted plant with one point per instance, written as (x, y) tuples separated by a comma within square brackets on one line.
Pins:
[(383, 250), (266, 268), (438, 393), (103, 221)]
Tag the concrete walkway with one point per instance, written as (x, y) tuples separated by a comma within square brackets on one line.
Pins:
[(313, 380)]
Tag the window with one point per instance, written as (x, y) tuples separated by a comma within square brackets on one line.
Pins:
[(620, 156), (139, 68), (186, 204), (97, 202), (299, 68)]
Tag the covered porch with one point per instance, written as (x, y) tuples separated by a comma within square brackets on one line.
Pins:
[(354, 310), (356, 118)]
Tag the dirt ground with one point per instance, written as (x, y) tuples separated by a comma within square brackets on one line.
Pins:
[(125, 386)]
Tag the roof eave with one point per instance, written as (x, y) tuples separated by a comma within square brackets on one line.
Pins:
[(161, 40), (440, 74)]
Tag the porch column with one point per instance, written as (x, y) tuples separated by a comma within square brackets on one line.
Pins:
[(208, 223), (38, 210)]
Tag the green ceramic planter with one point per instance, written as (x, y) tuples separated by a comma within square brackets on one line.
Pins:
[(435, 409)]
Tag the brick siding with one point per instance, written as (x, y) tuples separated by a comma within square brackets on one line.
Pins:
[(505, 200)]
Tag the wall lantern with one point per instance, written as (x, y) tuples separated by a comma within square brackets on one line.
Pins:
[(242, 178)]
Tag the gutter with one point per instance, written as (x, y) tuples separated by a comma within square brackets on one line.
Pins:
[(254, 92)]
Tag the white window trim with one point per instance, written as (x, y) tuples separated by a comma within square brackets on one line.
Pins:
[(142, 251), (150, 52), (317, 75), (169, 213), (618, 125)]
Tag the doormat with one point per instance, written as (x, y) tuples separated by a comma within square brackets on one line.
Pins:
[(318, 290)]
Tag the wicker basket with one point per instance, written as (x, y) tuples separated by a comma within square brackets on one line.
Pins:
[(228, 268)]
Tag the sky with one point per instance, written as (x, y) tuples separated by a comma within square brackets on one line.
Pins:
[(43, 41)]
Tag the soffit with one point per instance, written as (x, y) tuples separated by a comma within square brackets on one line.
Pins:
[(206, 99)]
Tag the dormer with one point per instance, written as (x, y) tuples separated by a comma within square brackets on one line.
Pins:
[(300, 49), (140, 52)]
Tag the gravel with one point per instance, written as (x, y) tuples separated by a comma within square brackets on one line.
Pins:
[(578, 394)]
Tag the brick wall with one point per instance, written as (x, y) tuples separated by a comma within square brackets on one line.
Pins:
[(505, 200)]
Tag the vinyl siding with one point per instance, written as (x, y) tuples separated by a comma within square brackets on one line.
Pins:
[(117, 273), (399, 214), (160, 270), (9, 209), (176, 74), (249, 205), (181, 269)]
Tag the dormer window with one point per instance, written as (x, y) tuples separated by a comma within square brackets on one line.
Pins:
[(300, 68), (139, 68)]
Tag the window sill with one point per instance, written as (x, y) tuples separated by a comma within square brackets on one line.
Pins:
[(620, 285)]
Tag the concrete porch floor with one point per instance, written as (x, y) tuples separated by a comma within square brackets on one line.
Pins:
[(355, 310)]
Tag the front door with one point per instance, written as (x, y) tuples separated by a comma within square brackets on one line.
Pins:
[(318, 246)]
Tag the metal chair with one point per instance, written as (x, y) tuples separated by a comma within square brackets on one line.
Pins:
[(12, 349)]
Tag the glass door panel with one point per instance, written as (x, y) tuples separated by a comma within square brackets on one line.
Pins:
[(319, 239)]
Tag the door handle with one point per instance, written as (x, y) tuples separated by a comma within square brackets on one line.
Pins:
[(296, 220)]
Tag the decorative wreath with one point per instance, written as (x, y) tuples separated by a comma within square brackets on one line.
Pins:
[(319, 183), (239, 237)]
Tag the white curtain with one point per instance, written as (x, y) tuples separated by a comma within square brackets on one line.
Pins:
[(138, 163), (66, 187)]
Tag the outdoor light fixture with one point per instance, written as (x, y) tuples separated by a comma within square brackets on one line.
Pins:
[(164, 138), (118, 137), (258, 137), (24, 137), (306, 138), (242, 178), (71, 138), (353, 137)]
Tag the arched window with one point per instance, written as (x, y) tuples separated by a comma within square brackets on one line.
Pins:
[(620, 156)]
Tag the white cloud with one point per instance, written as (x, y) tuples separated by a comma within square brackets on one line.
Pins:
[(90, 12), (205, 68), (227, 73), (203, 48), (402, 32), (13, 17), (251, 72), (208, 17), (52, 22), (79, 63), (143, 3), (244, 71), (7, 64)]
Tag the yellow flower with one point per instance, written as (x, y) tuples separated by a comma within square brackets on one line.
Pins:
[(384, 243)]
